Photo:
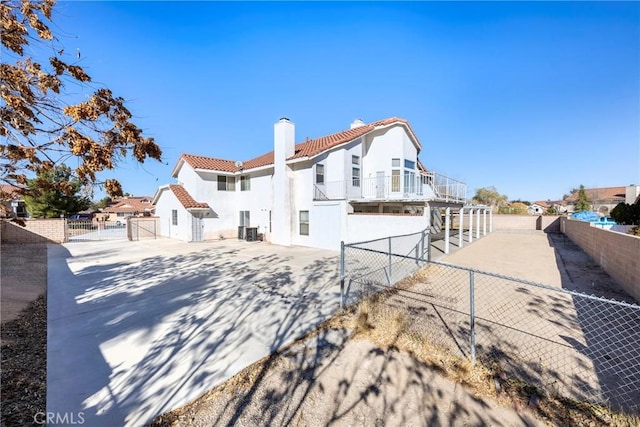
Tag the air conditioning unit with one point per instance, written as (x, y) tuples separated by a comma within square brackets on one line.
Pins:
[(252, 234)]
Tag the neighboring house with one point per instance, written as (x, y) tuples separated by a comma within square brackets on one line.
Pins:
[(120, 209), (538, 208), (361, 183), (12, 202), (602, 200)]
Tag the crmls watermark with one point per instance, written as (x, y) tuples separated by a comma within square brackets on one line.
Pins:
[(53, 418)]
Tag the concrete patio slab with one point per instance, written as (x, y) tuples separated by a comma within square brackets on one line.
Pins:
[(138, 328)]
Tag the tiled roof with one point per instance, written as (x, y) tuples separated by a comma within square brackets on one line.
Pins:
[(8, 192), (605, 193), (185, 198), (308, 148), (130, 204), (201, 162)]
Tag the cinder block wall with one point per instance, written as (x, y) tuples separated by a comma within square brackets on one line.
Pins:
[(35, 231), (618, 254), (548, 223)]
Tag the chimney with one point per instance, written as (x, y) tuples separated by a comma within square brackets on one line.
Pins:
[(357, 123), (283, 148), (284, 139)]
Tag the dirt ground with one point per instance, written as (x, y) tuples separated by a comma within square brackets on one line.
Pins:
[(332, 379), (23, 278), (23, 274)]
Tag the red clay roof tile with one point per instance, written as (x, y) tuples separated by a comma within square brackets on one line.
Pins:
[(596, 194), (130, 204), (185, 198), (308, 148)]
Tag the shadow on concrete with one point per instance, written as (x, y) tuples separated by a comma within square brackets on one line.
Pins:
[(129, 341)]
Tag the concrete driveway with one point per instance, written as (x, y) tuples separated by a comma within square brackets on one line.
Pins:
[(139, 328)]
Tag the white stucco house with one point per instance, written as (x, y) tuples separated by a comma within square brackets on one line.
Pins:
[(362, 183)]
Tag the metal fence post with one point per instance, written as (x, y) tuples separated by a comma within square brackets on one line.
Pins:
[(429, 247), (390, 274), (422, 245), (342, 296), (472, 317)]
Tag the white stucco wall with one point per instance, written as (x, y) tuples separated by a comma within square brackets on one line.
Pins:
[(187, 177), (165, 204), (382, 146), (258, 201), (368, 227)]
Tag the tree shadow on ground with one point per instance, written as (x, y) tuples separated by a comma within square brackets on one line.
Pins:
[(332, 379), (132, 340)]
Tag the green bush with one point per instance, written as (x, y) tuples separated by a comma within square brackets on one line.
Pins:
[(626, 214)]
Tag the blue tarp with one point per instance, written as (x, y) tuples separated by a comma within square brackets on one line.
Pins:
[(586, 216)]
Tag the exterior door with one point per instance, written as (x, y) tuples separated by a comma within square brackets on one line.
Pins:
[(197, 226), (380, 185)]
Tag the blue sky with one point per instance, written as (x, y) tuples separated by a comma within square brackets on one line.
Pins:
[(532, 98)]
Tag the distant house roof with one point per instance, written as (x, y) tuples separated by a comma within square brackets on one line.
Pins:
[(130, 204), (306, 149), (9, 192), (613, 194), (542, 203)]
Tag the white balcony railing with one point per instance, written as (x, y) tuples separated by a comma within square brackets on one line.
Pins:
[(425, 187)]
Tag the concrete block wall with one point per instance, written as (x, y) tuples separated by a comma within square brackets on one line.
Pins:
[(617, 253), (547, 223), (35, 231)]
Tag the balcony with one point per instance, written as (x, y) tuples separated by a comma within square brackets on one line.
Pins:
[(431, 186)]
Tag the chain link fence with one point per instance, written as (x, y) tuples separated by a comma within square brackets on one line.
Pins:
[(367, 266), (567, 343)]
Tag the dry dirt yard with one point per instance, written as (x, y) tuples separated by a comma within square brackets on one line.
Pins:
[(23, 274)]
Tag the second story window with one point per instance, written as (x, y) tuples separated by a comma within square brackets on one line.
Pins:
[(245, 183), (409, 164), (355, 171), (395, 163), (319, 174), (226, 183)]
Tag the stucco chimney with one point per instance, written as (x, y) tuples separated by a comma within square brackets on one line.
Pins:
[(283, 148), (284, 139), (357, 123)]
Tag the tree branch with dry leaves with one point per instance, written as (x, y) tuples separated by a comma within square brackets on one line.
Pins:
[(41, 128)]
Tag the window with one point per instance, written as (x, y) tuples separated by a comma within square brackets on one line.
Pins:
[(244, 218), (355, 171), (174, 217), (395, 163), (319, 174), (395, 180), (409, 182), (355, 177), (409, 164), (245, 183), (304, 223), (226, 183)]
